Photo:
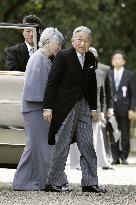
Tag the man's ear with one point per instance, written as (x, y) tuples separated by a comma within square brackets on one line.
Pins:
[(124, 62)]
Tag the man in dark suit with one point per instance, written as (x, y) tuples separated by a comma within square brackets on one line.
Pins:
[(18, 55), (124, 104), (69, 102)]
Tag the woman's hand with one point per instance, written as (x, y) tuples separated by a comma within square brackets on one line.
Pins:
[(47, 115), (94, 115)]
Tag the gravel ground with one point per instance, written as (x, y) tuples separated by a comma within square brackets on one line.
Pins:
[(120, 182), (117, 194)]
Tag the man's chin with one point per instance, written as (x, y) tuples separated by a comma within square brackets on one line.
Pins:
[(82, 51), (31, 43)]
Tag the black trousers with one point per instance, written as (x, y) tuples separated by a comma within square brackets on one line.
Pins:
[(121, 149)]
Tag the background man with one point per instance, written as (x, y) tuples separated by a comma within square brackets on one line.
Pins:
[(18, 55), (124, 105)]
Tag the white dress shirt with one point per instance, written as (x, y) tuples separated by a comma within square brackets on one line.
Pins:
[(118, 75), (30, 49), (81, 58)]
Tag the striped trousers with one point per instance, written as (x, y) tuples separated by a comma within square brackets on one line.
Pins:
[(77, 123)]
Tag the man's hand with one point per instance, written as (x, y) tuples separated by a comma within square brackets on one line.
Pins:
[(130, 114), (110, 112), (47, 115), (102, 116)]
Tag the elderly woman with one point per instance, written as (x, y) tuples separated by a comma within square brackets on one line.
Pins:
[(33, 167)]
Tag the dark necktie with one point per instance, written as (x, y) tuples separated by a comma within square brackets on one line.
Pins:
[(31, 51)]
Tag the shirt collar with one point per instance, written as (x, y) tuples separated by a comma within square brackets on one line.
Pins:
[(120, 71), (79, 54), (28, 46)]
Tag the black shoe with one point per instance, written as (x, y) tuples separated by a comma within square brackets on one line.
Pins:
[(108, 167), (93, 188), (115, 162), (63, 188), (124, 161)]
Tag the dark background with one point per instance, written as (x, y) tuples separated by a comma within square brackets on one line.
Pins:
[(113, 23)]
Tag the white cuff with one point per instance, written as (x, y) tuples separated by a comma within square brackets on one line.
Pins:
[(47, 110)]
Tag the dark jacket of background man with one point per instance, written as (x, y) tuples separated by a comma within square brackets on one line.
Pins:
[(124, 105), (18, 55)]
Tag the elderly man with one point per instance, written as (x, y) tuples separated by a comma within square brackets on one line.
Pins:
[(70, 101), (104, 104), (18, 55)]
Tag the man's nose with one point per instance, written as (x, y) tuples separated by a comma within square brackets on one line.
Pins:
[(82, 43), (31, 33)]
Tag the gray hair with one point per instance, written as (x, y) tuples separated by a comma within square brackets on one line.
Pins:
[(50, 34), (82, 29)]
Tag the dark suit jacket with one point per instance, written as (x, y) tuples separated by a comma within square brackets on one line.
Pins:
[(17, 57), (67, 84), (124, 103), (107, 81)]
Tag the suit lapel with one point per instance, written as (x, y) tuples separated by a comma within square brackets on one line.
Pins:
[(75, 59), (113, 80), (122, 79), (87, 62), (25, 51)]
